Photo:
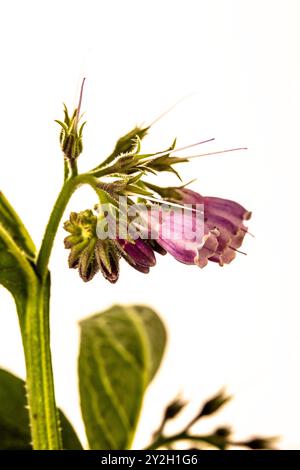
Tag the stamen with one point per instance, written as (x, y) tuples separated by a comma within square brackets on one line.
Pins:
[(216, 153), (238, 251), (170, 109), (173, 204), (166, 152), (247, 231), (79, 103)]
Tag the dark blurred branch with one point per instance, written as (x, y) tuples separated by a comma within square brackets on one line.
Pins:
[(212, 439)]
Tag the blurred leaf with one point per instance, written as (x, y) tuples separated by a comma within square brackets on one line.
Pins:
[(69, 436), (14, 226), (120, 352), (14, 419)]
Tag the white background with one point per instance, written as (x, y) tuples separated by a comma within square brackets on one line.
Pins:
[(236, 326)]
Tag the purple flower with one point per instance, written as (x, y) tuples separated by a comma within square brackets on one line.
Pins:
[(208, 229), (138, 253), (223, 230)]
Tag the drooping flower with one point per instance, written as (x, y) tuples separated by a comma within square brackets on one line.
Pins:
[(222, 234), (181, 236), (138, 253)]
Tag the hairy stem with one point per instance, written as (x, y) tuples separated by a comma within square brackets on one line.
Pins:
[(67, 171), (34, 324), (44, 421), (58, 210)]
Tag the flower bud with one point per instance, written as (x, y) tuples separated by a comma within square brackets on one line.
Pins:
[(259, 443), (81, 242), (81, 226), (108, 260), (156, 247), (174, 408), (75, 253), (224, 432), (127, 143), (137, 253), (214, 404), (126, 146), (70, 136), (88, 253), (87, 264)]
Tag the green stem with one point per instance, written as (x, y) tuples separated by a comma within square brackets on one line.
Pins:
[(66, 169), (74, 168), (44, 420), (34, 324), (70, 168), (58, 210)]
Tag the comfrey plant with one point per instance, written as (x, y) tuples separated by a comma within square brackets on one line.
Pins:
[(120, 349)]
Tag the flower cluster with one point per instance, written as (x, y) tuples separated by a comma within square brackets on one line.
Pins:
[(90, 254), (220, 438), (224, 231), (123, 174)]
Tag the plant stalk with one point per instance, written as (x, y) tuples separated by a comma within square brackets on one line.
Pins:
[(43, 413), (58, 210)]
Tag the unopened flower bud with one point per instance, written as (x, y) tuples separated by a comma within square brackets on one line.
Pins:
[(214, 404), (88, 253), (174, 408), (70, 135), (108, 260), (127, 143), (210, 407), (224, 432), (137, 253), (259, 443), (75, 253), (81, 242), (87, 265), (156, 247)]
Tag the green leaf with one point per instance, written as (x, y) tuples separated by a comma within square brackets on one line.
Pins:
[(120, 352), (16, 252), (15, 227), (14, 271), (69, 436), (155, 337), (14, 419)]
